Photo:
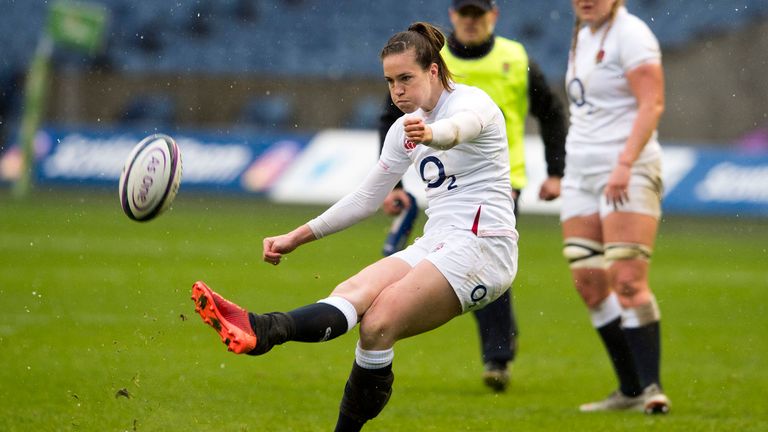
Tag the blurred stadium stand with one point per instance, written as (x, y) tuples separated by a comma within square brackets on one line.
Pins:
[(365, 113), (267, 112), (277, 41), (301, 38), (155, 108)]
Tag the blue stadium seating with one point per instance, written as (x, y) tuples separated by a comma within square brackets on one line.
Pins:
[(365, 113), (329, 39), (266, 112), (156, 109)]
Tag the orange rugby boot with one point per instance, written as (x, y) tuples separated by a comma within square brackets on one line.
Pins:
[(229, 320)]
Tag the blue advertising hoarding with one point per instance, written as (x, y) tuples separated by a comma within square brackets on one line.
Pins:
[(722, 182), (322, 167), (234, 162)]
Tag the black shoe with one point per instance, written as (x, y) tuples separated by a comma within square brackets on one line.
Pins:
[(496, 376)]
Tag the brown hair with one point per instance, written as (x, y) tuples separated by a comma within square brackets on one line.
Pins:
[(577, 27), (427, 40)]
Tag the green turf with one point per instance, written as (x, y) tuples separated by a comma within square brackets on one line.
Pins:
[(97, 331)]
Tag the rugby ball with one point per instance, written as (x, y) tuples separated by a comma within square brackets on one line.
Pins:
[(150, 178)]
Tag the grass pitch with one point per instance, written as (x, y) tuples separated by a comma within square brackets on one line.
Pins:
[(97, 331)]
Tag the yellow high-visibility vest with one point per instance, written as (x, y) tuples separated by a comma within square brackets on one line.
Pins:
[(503, 74)]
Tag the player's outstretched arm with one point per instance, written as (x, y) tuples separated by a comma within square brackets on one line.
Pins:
[(276, 247), (445, 133)]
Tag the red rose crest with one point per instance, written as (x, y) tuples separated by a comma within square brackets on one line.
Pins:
[(409, 145)]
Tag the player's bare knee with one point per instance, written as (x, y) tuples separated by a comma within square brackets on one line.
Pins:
[(627, 288), (591, 284), (593, 290), (376, 331), (628, 263), (592, 298)]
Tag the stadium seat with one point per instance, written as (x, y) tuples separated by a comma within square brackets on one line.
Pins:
[(300, 38), (267, 112), (365, 113), (158, 109)]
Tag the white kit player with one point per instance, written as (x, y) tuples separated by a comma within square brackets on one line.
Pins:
[(468, 194), (455, 136), (611, 192)]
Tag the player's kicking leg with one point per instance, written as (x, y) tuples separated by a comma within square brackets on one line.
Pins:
[(245, 332), (249, 333)]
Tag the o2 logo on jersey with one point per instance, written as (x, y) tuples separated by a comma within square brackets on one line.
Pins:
[(577, 95), (478, 293), (441, 177), (409, 145)]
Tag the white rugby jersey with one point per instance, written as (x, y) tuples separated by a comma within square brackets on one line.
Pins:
[(602, 106), (468, 181), (467, 186)]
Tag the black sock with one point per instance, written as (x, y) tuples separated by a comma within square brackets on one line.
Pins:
[(346, 423), (621, 357), (271, 329), (318, 322), (366, 393), (645, 344)]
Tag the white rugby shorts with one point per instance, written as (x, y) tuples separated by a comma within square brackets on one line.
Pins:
[(479, 269), (583, 195)]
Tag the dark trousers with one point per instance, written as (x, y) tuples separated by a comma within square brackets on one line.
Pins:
[(498, 330)]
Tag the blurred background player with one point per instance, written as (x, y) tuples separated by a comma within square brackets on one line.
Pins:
[(466, 258), (501, 67), (612, 192)]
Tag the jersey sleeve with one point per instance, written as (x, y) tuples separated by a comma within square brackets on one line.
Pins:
[(469, 116), (473, 111), (393, 157), (460, 127), (482, 106), (638, 45)]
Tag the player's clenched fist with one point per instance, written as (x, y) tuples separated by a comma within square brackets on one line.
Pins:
[(417, 131), (276, 247)]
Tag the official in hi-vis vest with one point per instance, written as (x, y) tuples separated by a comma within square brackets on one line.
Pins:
[(500, 67)]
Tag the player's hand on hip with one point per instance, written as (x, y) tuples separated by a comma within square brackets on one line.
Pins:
[(395, 202), (550, 188), (417, 131), (617, 189)]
